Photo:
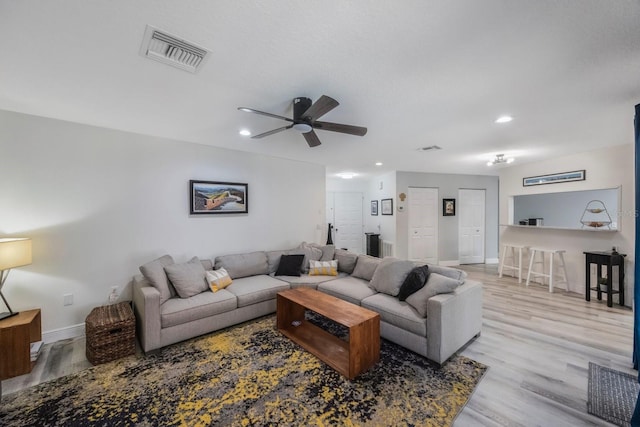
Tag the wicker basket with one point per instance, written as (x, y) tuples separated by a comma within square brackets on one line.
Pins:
[(111, 333)]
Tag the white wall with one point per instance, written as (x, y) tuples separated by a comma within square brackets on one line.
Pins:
[(98, 203), (448, 186), (385, 225), (605, 168)]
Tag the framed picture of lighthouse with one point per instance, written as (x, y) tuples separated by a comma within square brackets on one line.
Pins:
[(214, 197)]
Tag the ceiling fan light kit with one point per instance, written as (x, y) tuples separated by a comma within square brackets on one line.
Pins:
[(305, 115)]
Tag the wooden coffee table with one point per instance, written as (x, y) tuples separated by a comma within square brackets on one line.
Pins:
[(351, 358)]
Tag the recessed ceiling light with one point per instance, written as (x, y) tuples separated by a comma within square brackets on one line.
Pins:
[(504, 119), (245, 132), (378, 163), (346, 175)]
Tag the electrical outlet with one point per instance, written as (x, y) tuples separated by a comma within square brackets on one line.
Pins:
[(67, 299), (113, 296)]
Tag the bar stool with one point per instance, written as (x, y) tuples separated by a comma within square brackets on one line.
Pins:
[(551, 274), (515, 264)]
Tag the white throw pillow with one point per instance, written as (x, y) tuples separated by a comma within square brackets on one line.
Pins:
[(218, 279), (323, 268)]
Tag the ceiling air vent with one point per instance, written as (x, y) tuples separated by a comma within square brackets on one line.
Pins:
[(431, 147), (164, 47)]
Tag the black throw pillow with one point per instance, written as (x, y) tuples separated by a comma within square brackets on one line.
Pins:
[(290, 265), (415, 281)]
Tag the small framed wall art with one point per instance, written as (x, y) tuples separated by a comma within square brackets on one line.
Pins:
[(386, 206), (374, 207), (555, 178), (448, 207), (215, 197)]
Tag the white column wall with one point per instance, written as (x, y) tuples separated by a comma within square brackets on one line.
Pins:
[(605, 168)]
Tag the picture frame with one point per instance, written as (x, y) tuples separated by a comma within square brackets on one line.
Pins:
[(374, 208), (555, 178), (448, 207), (386, 206), (218, 197)]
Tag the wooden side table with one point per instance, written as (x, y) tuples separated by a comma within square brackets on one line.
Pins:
[(607, 259), (16, 335)]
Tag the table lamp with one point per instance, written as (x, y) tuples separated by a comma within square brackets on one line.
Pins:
[(14, 252)]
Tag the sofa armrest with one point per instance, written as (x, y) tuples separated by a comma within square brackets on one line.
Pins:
[(146, 303), (452, 320)]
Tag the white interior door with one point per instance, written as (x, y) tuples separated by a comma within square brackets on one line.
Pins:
[(471, 228), (348, 221), (423, 224)]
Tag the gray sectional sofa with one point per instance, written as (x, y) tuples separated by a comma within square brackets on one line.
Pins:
[(430, 323)]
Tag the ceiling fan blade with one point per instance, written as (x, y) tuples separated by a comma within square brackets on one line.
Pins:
[(337, 127), (271, 132), (251, 110), (312, 139), (321, 107)]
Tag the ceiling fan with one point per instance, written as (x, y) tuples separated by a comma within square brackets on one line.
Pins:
[(305, 119)]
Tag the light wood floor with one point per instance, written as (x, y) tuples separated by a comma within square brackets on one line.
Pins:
[(538, 347)]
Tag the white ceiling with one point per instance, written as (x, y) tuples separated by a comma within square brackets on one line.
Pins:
[(415, 73)]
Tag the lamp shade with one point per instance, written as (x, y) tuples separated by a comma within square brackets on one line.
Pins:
[(14, 252)]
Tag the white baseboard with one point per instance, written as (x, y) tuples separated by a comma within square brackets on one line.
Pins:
[(74, 331), (455, 262)]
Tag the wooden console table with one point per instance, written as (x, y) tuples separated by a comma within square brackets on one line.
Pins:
[(16, 335), (351, 358), (607, 259)]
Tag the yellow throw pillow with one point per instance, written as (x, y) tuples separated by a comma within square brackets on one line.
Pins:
[(323, 268), (218, 279)]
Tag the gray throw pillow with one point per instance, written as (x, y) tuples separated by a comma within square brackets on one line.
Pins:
[(154, 272), (188, 278), (436, 284), (390, 274), (453, 273), (328, 251), (346, 260), (365, 267)]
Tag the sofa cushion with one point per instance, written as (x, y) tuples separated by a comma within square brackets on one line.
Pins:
[(188, 278), (348, 288), (414, 281), (177, 311), (323, 268), (396, 313), (309, 252), (244, 265), (290, 265), (305, 280), (453, 273), (365, 267), (255, 289), (436, 284), (154, 272), (218, 279), (346, 260), (390, 274), (273, 259)]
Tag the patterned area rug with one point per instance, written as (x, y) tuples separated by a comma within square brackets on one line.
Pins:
[(612, 394), (248, 375)]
